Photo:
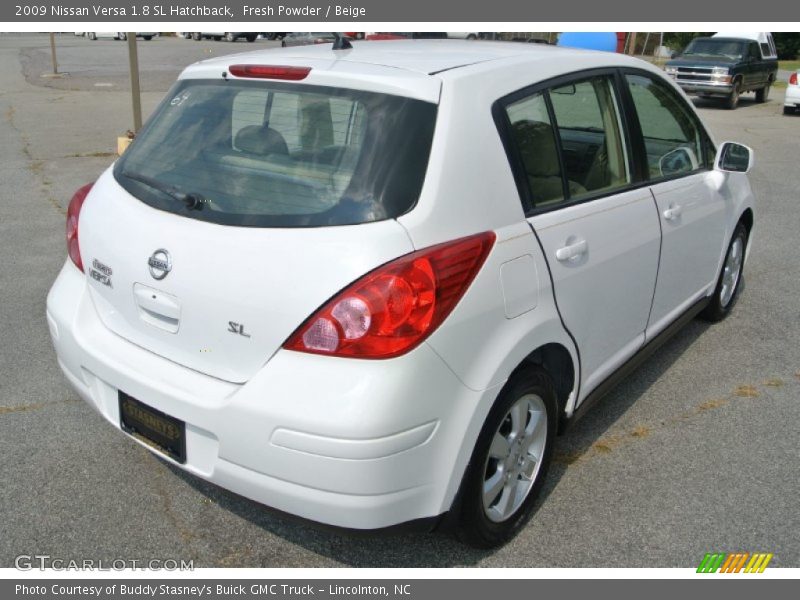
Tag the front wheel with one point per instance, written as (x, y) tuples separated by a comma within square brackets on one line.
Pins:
[(122, 36), (229, 37), (732, 101), (196, 36), (730, 278), (92, 36), (510, 460), (251, 38), (147, 38)]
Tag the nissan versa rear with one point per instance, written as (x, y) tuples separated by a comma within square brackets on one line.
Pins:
[(369, 286)]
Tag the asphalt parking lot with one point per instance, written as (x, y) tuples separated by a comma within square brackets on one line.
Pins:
[(696, 452)]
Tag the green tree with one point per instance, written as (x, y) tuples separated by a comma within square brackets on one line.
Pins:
[(788, 44), (678, 40)]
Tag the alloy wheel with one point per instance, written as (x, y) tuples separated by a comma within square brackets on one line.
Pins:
[(515, 457)]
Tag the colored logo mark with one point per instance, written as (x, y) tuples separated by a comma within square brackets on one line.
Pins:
[(734, 562)]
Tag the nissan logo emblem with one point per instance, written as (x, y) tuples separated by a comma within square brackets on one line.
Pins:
[(160, 264)]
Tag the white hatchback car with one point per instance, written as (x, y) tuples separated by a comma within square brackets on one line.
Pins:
[(368, 287), (791, 102)]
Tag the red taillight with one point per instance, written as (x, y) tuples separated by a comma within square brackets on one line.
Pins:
[(793, 78), (395, 307), (73, 217), (270, 72)]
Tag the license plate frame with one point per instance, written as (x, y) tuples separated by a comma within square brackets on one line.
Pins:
[(155, 428)]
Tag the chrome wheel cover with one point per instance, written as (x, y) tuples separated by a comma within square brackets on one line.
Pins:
[(731, 271), (515, 457)]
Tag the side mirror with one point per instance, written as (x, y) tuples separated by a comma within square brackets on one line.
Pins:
[(734, 158)]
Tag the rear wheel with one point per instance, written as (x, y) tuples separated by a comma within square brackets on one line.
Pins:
[(788, 110), (92, 36), (763, 93), (510, 460), (732, 101), (251, 38), (729, 282), (217, 38), (147, 38), (196, 36), (229, 37), (122, 35)]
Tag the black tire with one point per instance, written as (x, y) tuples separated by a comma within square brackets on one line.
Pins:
[(217, 38), (147, 38), (718, 309), (472, 36), (251, 38), (122, 36), (732, 101), (788, 110), (229, 37), (196, 36), (92, 36), (763, 93), (474, 527)]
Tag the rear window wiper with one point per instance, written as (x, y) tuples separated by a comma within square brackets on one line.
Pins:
[(192, 200)]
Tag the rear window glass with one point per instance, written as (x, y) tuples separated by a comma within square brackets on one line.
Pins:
[(273, 154)]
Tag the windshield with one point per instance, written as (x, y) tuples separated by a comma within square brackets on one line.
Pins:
[(274, 154), (728, 49)]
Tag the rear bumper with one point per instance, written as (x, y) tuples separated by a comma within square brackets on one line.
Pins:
[(349, 443)]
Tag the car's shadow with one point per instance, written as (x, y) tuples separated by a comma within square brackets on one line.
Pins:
[(745, 102), (441, 549)]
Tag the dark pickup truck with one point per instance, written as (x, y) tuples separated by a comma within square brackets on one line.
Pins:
[(723, 67)]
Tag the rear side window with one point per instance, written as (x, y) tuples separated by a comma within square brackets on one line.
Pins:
[(673, 139), (535, 137), (280, 155), (569, 141), (589, 127)]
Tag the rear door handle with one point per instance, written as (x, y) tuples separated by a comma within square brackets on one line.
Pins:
[(673, 212), (572, 251)]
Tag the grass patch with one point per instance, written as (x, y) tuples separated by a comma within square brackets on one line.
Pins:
[(746, 391), (789, 65), (711, 404)]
